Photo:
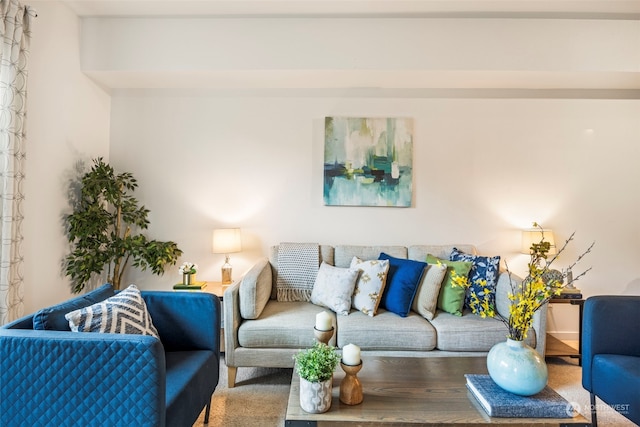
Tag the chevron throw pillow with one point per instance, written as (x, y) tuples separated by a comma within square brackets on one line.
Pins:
[(124, 313)]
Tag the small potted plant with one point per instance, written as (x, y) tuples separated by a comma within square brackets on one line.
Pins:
[(188, 271), (315, 367)]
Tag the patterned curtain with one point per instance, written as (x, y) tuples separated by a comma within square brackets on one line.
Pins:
[(15, 23)]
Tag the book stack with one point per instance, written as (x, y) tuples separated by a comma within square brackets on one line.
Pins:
[(500, 403), (194, 287), (570, 293)]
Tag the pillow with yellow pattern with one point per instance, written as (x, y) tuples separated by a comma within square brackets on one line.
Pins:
[(370, 284)]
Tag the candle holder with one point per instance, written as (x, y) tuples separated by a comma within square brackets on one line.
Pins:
[(323, 336), (351, 387)]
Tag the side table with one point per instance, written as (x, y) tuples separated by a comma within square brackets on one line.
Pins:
[(557, 348), (217, 288)]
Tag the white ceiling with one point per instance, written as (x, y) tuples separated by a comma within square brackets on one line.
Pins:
[(531, 8), (627, 82)]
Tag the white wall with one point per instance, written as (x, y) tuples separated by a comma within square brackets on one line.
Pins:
[(485, 167), (68, 121)]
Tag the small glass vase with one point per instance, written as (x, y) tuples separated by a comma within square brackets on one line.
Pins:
[(517, 368)]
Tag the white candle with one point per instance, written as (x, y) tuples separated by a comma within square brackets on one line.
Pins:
[(351, 355), (323, 321)]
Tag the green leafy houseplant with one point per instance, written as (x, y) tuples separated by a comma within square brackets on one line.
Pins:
[(102, 230), (317, 363)]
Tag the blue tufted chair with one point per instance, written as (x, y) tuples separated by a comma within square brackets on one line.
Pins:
[(611, 353), (64, 378)]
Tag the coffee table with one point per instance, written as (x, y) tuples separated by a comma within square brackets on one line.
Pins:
[(405, 392)]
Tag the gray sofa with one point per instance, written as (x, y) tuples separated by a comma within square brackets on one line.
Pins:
[(263, 332)]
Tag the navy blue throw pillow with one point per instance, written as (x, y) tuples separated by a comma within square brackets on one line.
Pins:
[(403, 279)]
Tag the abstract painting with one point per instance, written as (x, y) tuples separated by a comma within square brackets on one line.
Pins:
[(368, 161)]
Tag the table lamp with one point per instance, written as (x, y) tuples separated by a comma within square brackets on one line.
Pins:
[(535, 235), (226, 241)]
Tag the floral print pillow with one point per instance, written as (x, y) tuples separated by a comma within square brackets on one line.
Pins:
[(370, 284), (483, 280)]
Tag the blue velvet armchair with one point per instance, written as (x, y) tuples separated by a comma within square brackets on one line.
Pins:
[(64, 378), (611, 354)]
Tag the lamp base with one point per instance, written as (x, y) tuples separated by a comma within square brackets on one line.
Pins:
[(226, 271)]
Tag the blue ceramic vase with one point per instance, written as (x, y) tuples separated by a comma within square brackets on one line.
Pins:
[(517, 368)]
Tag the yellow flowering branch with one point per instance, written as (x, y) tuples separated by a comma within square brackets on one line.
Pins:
[(535, 291)]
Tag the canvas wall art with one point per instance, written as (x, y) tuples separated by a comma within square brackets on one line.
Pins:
[(368, 161)]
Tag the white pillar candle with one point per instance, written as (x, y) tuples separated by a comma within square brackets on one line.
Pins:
[(351, 355), (323, 321)]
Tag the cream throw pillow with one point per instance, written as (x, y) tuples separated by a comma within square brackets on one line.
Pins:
[(370, 284), (426, 299), (333, 288)]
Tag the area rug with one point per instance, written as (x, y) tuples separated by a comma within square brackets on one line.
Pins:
[(261, 394)]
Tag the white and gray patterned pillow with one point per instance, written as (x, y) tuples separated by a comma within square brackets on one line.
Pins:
[(333, 288), (124, 313)]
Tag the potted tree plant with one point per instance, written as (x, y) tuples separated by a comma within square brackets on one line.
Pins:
[(103, 230), (315, 367)]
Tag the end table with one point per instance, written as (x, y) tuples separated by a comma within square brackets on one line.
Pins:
[(557, 348)]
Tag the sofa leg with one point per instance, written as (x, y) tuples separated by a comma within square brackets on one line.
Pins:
[(594, 416), (232, 371), (207, 411)]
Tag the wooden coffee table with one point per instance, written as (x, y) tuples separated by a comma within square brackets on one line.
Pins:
[(408, 392)]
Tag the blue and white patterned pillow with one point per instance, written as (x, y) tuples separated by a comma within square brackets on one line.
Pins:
[(124, 313), (483, 278)]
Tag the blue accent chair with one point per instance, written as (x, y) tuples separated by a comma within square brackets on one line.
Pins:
[(64, 378), (611, 353)]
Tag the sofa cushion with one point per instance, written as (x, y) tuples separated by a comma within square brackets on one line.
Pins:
[(52, 318), (614, 379), (255, 290), (426, 300), (482, 279), (470, 332), (402, 283), (281, 325), (333, 288), (345, 253), (370, 285), (123, 313), (451, 297), (187, 390), (386, 331), (420, 252)]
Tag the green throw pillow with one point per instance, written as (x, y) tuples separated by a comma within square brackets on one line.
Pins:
[(451, 298)]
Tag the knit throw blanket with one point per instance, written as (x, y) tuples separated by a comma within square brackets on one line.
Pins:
[(297, 270)]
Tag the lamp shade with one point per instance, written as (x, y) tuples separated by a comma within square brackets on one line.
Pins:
[(529, 237), (226, 240)]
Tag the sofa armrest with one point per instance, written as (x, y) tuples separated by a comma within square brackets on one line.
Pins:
[(185, 320), (67, 378), (255, 289), (607, 327), (503, 289)]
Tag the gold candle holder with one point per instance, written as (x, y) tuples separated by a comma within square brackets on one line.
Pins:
[(323, 336), (351, 387)]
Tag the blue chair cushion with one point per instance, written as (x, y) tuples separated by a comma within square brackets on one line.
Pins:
[(52, 318), (188, 390), (616, 379)]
